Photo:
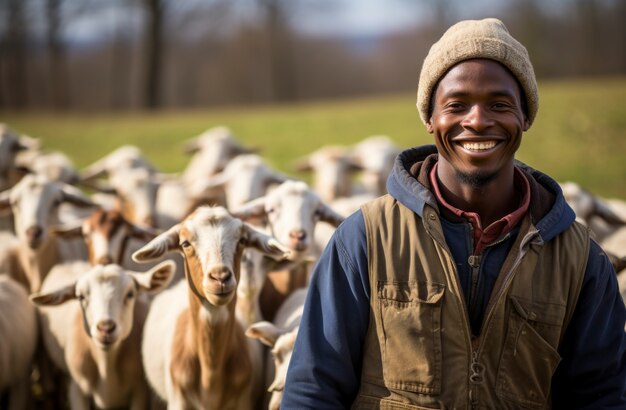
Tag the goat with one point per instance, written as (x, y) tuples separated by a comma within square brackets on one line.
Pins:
[(280, 336), (596, 213), (123, 158), (332, 167), (195, 352), (34, 202), (212, 150), (18, 327), (10, 144), (375, 156), (92, 320), (106, 234), (290, 212), (245, 178)]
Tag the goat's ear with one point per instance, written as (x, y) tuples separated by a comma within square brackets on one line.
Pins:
[(302, 165), (214, 182), (25, 142), (75, 197), (251, 210), (619, 263), (140, 232), (191, 146), (264, 243), (329, 215), (606, 213), (68, 231), (265, 331), (276, 178), (93, 171), (54, 298), (165, 242), (5, 202), (157, 278)]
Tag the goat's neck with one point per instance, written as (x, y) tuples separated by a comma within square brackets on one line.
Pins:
[(213, 330), (36, 263)]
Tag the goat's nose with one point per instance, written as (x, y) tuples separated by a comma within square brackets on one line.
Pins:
[(34, 232), (297, 234), (220, 274), (106, 326)]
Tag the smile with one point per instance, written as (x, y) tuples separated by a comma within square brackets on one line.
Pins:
[(479, 146)]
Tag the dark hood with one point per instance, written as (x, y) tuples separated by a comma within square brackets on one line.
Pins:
[(408, 183)]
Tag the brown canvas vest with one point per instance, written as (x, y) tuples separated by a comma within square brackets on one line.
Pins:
[(419, 352)]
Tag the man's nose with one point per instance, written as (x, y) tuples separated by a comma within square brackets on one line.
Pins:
[(477, 118)]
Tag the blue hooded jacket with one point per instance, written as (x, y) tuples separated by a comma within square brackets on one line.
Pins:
[(325, 367)]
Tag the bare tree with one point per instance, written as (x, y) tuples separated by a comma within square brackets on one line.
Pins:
[(58, 80), (13, 55), (153, 61)]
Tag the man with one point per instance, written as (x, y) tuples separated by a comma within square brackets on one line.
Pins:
[(469, 285)]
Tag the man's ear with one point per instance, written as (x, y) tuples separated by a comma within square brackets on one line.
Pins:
[(526, 124), (429, 125)]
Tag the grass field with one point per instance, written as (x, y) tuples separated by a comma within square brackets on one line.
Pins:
[(579, 134)]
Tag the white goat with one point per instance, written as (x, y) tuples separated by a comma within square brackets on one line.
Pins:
[(55, 165), (10, 144), (123, 158), (195, 352), (280, 336), (246, 177), (34, 202), (375, 156), (333, 168), (212, 150), (92, 320), (598, 214), (290, 213), (18, 327)]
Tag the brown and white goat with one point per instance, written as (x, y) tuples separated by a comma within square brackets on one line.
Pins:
[(194, 350)]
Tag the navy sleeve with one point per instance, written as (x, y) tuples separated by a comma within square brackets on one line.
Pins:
[(325, 367), (592, 373)]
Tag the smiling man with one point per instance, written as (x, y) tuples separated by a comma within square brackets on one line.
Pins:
[(469, 285)]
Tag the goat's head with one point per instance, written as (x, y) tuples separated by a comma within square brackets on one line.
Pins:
[(291, 210), (34, 202), (333, 168), (281, 342), (106, 233), (107, 296), (10, 144), (212, 242)]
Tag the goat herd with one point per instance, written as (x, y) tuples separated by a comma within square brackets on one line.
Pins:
[(185, 289)]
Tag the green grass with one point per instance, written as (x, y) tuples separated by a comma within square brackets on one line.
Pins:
[(579, 134)]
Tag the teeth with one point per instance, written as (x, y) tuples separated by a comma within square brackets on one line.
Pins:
[(479, 146)]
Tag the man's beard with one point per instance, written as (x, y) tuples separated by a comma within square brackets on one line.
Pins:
[(475, 179)]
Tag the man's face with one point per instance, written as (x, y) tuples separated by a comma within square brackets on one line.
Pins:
[(477, 120)]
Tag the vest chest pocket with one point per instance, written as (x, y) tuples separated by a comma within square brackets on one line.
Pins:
[(410, 337), (530, 358)]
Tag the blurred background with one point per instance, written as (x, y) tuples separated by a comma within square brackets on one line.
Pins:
[(118, 55)]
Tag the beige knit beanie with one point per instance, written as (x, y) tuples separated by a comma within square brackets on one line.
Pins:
[(488, 38)]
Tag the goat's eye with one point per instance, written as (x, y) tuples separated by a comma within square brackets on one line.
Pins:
[(130, 295), (81, 298), (185, 244)]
